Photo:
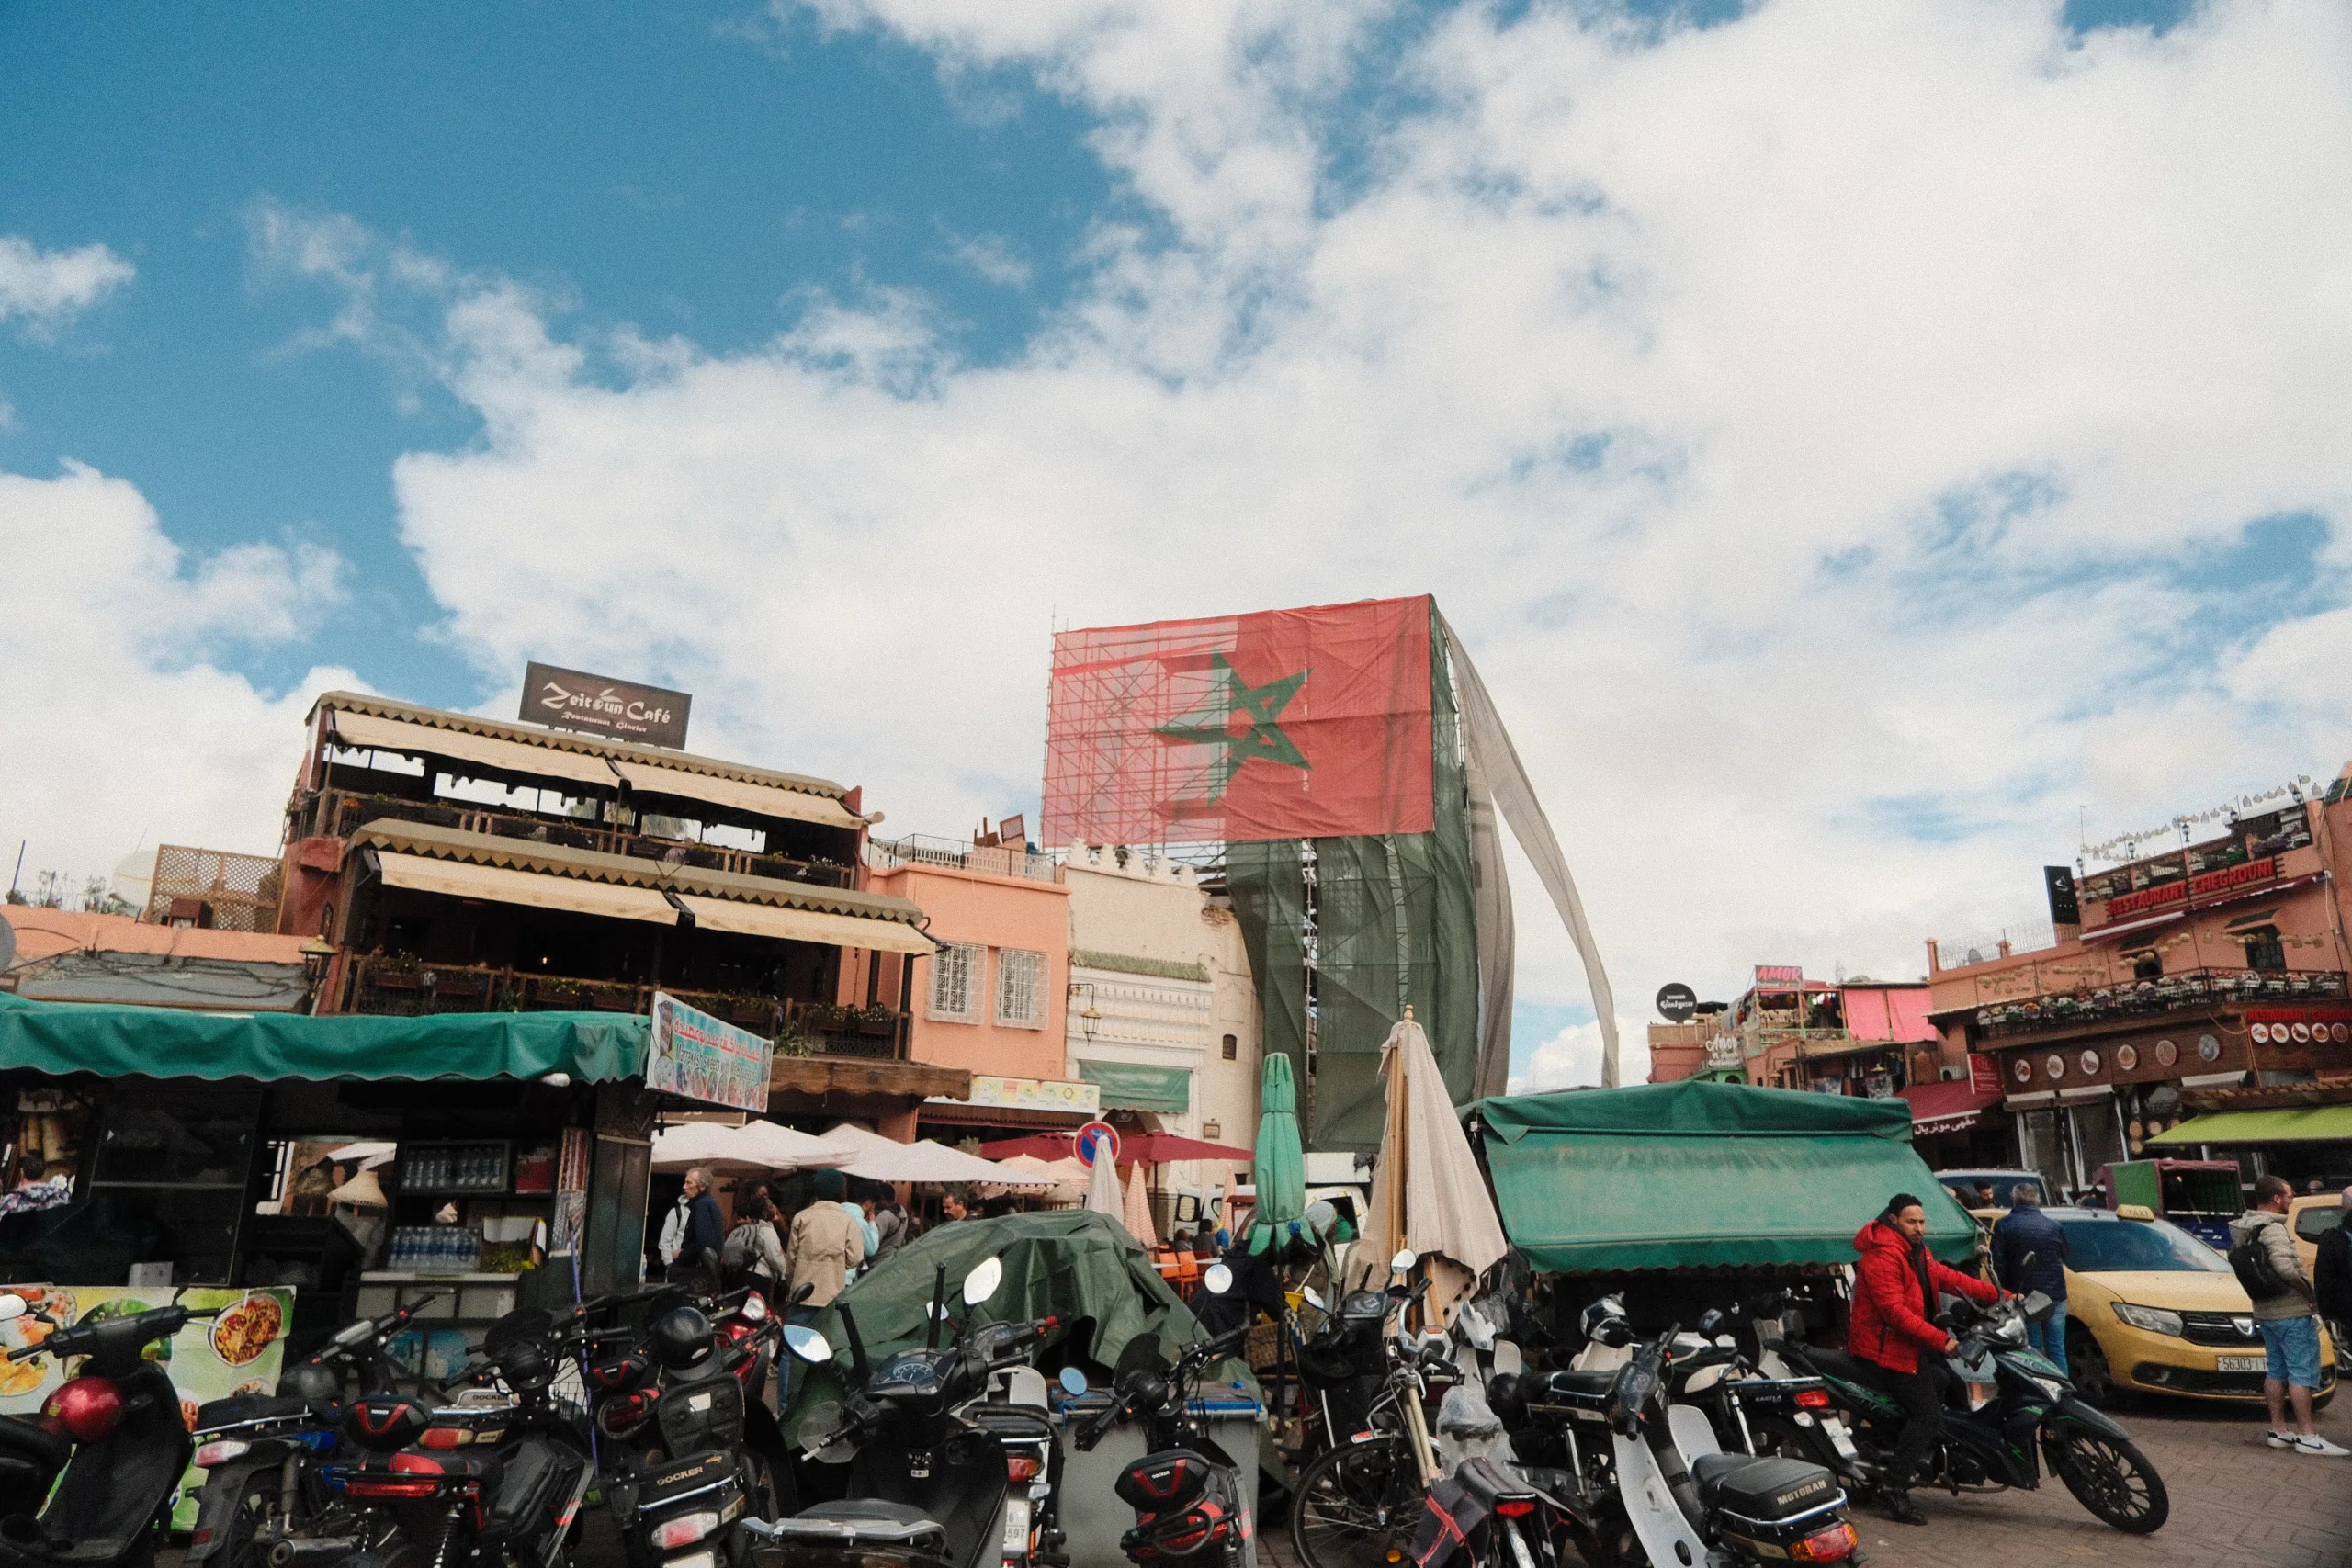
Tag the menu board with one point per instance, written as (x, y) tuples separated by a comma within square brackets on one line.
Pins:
[(241, 1351)]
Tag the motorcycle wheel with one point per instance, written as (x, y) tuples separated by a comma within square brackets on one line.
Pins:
[(255, 1505), (2113, 1480), (1357, 1505)]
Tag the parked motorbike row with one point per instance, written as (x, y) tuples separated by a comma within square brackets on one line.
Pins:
[(1667, 1448)]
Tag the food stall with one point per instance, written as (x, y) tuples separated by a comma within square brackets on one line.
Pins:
[(344, 1163)]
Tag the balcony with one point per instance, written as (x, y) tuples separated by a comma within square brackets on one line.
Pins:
[(918, 849), (338, 814), (399, 986), (2191, 990)]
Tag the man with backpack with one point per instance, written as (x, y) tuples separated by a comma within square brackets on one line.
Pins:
[(2262, 1255)]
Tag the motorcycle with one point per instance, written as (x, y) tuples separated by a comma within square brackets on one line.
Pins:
[(681, 1469), (1186, 1490), (2034, 1419), (261, 1453), (113, 1489), (947, 1456), (495, 1477)]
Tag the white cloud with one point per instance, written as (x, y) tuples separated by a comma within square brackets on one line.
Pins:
[(122, 729), (1817, 424), (43, 291), (1571, 1059)]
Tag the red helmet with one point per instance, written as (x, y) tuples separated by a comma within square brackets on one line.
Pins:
[(90, 1407)]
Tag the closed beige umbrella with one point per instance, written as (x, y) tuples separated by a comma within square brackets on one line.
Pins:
[(1138, 1210), (1427, 1192)]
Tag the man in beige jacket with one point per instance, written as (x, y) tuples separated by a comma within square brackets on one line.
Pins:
[(826, 1242)]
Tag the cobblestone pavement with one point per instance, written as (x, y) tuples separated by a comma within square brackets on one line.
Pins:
[(2235, 1502)]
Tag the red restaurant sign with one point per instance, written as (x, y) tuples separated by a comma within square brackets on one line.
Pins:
[(1779, 974), (2195, 887), (1984, 1073)]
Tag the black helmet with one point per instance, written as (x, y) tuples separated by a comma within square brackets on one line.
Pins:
[(312, 1381), (679, 1338)]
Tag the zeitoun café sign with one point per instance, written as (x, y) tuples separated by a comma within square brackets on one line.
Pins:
[(594, 705)]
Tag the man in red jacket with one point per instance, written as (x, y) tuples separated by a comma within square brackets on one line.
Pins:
[(1894, 1340)]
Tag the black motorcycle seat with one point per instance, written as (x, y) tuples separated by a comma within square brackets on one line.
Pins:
[(1578, 1383), (1835, 1364), (216, 1414), (866, 1508), (23, 1436), (1762, 1487)]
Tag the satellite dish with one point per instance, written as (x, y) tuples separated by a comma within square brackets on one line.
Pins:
[(1677, 1002)]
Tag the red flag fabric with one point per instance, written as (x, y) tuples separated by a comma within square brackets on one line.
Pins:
[(1285, 724)]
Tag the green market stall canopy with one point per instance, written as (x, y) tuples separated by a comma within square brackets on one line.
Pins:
[(2289, 1124), (1699, 1175), (168, 1042)]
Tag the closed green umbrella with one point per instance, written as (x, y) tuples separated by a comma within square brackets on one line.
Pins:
[(1279, 1166)]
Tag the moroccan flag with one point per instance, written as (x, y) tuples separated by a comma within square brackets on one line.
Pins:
[(1286, 724)]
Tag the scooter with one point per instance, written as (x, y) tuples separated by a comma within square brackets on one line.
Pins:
[(941, 1474), (129, 1445), (679, 1470), (2034, 1419), (261, 1453), (1686, 1500), (1186, 1491), (495, 1477)]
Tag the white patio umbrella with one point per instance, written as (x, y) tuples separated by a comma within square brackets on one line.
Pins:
[(877, 1158), (1102, 1194), (755, 1146), (1068, 1178)]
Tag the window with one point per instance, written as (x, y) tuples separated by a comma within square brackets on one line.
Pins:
[(1021, 989), (956, 975), (2264, 952), (1232, 1048), (2146, 965)]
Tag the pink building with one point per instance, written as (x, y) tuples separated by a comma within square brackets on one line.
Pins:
[(994, 1003)]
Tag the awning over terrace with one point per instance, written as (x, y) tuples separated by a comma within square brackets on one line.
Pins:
[(806, 925), (461, 879), (65, 1038), (1699, 1175)]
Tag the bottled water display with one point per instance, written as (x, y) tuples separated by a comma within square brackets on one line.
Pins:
[(435, 1249)]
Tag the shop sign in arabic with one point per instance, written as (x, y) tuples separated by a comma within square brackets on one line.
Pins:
[(701, 1057), (1037, 1094), (572, 699)]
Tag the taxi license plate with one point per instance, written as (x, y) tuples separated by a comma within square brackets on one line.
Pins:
[(2241, 1363)]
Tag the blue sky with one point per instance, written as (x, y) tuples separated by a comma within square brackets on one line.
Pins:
[(1960, 383)]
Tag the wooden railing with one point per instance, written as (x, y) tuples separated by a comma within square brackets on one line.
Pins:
[(338, 814), (403, 986)]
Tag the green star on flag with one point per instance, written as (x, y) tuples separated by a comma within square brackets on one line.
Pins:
[(1211, 724)]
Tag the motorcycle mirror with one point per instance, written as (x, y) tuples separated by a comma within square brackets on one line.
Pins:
[(983, 1281), (1307, 1293), (1073, 1381), (1216, 1278), (11, 1307), (1403, 1262), (807, 1343)]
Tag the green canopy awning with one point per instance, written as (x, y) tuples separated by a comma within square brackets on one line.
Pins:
[(1700, 1175), (1135, 1085), (170, 1042), (2300, 1125)]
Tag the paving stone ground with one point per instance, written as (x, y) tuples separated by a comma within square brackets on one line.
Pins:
[(2235, 1502)]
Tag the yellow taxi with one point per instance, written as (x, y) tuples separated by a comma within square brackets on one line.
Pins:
[(2311, 1217), (2151, 1309)]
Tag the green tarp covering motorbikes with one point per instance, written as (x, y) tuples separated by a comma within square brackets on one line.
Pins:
[(1697, 1175), (1069, 1263), (60, 1038)]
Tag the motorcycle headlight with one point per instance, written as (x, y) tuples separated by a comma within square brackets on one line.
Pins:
[(2154, 1320)]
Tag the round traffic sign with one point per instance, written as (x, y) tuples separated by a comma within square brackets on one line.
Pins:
[(1098, 1134)]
